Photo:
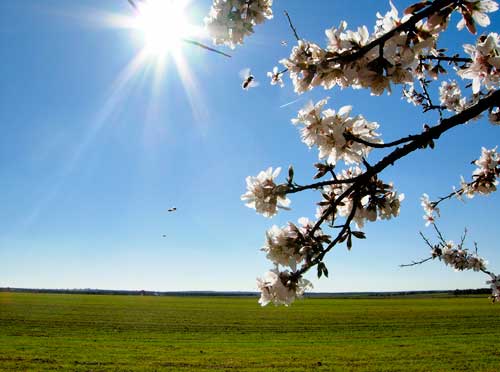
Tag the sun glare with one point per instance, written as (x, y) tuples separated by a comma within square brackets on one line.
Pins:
[(164, 29), (163, 24)]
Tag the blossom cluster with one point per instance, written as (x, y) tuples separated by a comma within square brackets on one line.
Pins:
[(350, 60), (264, 195), (495, 287), (376, 200), (458, 257), (430, 209), (310, 65), (292, 244), (229, 21), (494, 116), (484, 181), (281, 288), (485, 176), (332, 132), (484, 70), (450, 96)]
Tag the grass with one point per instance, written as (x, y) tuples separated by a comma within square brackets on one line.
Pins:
[(130, 333)]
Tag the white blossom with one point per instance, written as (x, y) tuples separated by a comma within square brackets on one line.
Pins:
[(495, 287), (292, 244), (378, 201), (412, 96), (485, 67), (390, 204), (282, 246), (488, 162), (450, 96), (430, 210), (304, 54), (310, 65), (279, 288), (494, 116), (329, 131), (264, 195), (229, 21), (275, 76), (460, 259), (485, 176), (478, 9)]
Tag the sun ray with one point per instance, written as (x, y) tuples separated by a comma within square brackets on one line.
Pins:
[(118, 92), (191, 87)]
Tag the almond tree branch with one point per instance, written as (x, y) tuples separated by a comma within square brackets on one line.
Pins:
[(410, 24), (339, 237), (459, 192), (439, 248), (417, 141)]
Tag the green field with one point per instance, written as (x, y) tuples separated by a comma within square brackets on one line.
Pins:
[(130, 333)]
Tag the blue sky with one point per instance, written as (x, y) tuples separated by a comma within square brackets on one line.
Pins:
[(89, 164)]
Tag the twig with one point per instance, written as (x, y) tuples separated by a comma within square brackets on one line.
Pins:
[(197, 43), (440, 236), (292, 26), (414, 263), (426, 240), (429, 105), (340, 235), (488, 272), (463, 237), (446, 59)]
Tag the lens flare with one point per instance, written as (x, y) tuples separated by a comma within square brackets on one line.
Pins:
[(163, 24)]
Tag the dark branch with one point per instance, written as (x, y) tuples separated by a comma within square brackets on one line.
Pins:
[(410, 24), (429, 105), (292, 26), (446, 59), (417, 141), (340, 235), (440, 235), (351, 137), (426, 240)]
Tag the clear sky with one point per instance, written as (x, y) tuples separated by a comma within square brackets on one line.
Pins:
[(95, 148)]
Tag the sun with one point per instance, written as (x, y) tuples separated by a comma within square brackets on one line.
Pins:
[(163, 25), (164, 29)]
